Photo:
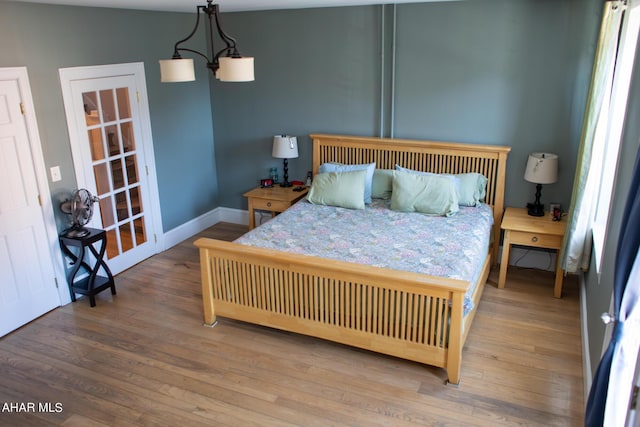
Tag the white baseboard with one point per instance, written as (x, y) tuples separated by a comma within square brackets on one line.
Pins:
[(238, 216), (204, 221), (587, 375), (191, 228), (234, 216)]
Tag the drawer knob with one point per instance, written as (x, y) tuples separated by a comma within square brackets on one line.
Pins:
[(534, 239), (268, 204)]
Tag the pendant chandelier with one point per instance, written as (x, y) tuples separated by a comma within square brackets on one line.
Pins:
[(227, 63)]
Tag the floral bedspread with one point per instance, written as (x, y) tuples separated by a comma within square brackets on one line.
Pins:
[(453, 247)]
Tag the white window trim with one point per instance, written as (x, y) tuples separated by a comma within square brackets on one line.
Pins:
[(609, 145)]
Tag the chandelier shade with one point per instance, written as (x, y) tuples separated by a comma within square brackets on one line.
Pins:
[(177, 70), (227, 64), (235, 70)]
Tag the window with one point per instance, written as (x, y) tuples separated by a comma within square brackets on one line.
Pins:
[(609, 130)]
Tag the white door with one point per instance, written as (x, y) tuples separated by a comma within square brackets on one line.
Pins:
[(112, 151), (27, 278)]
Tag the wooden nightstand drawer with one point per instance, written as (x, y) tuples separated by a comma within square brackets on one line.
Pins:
[(535, 239), (275, 199), (522, 229), (271, 205)]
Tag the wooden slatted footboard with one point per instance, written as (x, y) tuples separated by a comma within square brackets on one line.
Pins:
[(408, 315)]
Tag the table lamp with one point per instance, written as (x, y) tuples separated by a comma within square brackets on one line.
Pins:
[(285, 147), (542, 168)]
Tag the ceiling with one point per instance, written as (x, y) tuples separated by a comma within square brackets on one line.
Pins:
[(225, 5)]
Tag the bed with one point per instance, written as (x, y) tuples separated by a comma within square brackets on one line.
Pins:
[(406, 314)]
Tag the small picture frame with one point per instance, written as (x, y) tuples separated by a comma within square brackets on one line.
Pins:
[(555, 211), (266, 183)]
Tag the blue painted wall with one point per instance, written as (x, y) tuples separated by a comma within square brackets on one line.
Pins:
[(486, 71), (45, 38), (482, 71), (316, 71)]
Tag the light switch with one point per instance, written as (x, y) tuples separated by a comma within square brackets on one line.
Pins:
[(55, 174)]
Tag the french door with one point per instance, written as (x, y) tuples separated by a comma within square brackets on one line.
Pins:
[(113, 157)]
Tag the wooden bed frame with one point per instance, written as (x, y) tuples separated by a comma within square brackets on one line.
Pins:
[(403, 314)]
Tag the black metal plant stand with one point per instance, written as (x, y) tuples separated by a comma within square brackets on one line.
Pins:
[(93, 283)]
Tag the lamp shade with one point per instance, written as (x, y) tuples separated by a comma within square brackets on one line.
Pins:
[(542, 168), (285, 147), (177, 70), (235, 69)]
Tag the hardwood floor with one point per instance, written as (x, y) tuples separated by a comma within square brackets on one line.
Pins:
[(144, 358)]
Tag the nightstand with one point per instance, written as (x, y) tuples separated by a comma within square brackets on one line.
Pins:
[(274, 199), (541, 232)]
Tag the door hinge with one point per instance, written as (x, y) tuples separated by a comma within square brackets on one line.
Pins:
[(155, 237), (138, 96), (22, 110), (55, 279), (39, 200), (147, 169), (634, 399)]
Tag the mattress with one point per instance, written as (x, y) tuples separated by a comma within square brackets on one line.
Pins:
[(453, 247)]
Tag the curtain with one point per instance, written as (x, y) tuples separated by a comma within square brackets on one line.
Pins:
[(607, 405), (577, 241)]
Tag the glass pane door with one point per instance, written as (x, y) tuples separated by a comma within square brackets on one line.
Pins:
[(112, 148), (114, 157)]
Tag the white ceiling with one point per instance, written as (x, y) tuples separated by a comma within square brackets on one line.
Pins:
[(225, 5)]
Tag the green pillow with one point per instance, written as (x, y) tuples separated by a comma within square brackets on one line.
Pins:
[(342, 189), (472, 188), (382, 184), (339, 167), (428, 194)]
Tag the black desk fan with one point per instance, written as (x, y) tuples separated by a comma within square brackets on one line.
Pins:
[(80, 207)]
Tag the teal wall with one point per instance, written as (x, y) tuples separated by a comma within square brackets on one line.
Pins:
[(317, 70), (482, 71), (45, 38)]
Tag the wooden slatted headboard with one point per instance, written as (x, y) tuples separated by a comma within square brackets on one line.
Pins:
[(426, 156)]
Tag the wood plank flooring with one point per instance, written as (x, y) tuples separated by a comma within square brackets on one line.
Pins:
[(143, 358)]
